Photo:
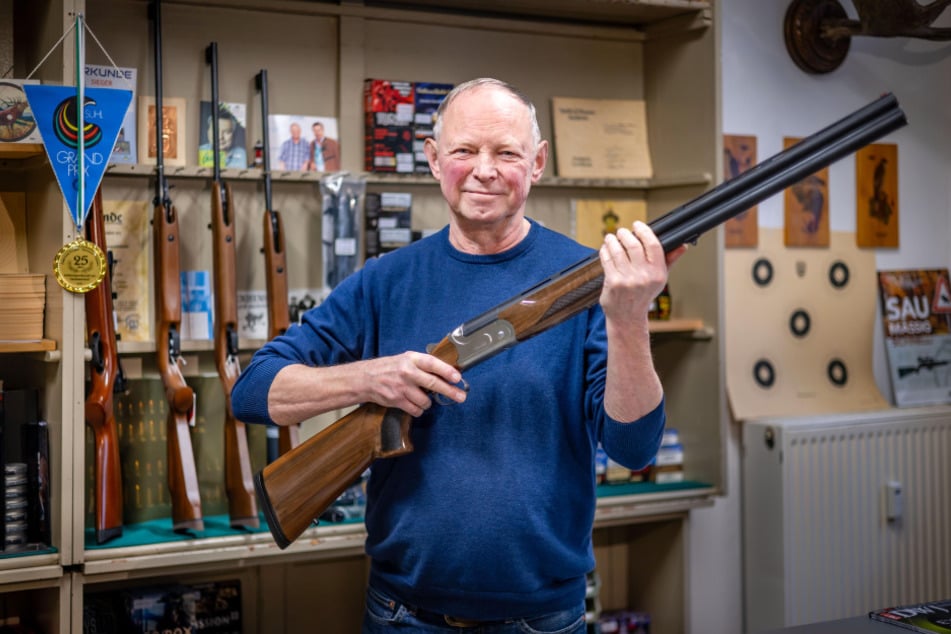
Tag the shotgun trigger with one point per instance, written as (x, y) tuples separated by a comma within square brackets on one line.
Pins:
[(442, 400)]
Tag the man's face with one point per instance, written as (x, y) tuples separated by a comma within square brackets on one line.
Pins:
[(318, 131), (225, 133), (295, 131), (486, 159)]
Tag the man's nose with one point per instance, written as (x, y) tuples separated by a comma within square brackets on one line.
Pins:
[(485, 165)]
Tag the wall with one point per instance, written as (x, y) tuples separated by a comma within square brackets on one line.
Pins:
[(766, 95)]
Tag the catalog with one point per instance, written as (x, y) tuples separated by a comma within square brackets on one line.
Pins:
[(916, 315)]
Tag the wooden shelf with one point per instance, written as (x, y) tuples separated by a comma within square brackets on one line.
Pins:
[(398, 180), (21, 150), (40, 345)]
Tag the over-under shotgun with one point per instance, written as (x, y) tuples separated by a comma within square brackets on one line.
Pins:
[(300, 485), (182, 474), (106, 379), (275, 264), (242, 507)]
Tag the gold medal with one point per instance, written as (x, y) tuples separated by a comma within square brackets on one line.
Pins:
[(79, 266)]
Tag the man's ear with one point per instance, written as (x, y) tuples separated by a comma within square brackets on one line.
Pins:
[(429, 146), (541, 160)]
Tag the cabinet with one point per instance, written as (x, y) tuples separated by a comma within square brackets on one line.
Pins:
[(317, 55)]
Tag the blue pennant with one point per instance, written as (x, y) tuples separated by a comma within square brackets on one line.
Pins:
[(54, 108)]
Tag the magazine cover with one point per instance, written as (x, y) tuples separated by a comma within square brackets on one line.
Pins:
[(303, 143), (125, 150), (916, 315), (918, 617), (232, 134)]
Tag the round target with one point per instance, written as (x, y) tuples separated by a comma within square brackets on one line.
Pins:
[(837, 372), (839, 274), (800, 323), (762, 272), (764, 374)]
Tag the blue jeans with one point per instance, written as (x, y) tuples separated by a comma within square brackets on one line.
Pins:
[(384, 615)]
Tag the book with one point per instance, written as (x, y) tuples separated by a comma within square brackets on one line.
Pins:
[(125, 149), (173, 131), (128, 237), (389, 111), (916, 315), (918, 617), (303, 143), (232, 134), (601, 138), (19, 125)]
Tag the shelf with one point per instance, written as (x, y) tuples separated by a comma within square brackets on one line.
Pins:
[(39, 345), (407, 180), (335, 540), (21, 150), (24, 567), (637, 13), (693, 328)]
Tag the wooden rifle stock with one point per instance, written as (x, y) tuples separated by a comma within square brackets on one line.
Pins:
[(182, 474), (300, 485), (106, 379), (275, 262), (242, 506)]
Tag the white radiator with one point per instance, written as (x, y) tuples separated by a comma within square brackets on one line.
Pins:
[(843, 514)]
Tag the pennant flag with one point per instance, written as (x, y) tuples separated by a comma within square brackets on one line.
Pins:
[(54, 108)]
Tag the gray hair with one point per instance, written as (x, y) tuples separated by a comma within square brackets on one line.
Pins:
[(472, 84)]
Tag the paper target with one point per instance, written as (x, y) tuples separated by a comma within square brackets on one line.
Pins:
[(799, 328)]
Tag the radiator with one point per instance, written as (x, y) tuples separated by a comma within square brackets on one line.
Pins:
[(843, 514)]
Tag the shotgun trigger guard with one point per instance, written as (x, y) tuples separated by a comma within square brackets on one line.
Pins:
[(475, 345), (442, 400)]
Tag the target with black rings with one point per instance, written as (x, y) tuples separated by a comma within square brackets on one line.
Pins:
[(800, 323), (762, 272), (839, 274), (764, 374), (837, 372)]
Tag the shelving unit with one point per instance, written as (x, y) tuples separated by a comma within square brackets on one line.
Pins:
[(317, 55)]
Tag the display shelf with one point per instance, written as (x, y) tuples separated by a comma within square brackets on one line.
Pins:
[(16, 568), (19, 151), (396, 180), (38, 345)]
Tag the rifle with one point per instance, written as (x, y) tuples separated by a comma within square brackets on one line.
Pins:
[(107, 379), (182, 474), (924, 363), (296, 488), (242, 506), (275, 264)]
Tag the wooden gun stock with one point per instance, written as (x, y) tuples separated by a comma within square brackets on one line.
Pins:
[(242, 506), (106, 378), (278, 309), (300, 485), (182, 474), (275, 261)]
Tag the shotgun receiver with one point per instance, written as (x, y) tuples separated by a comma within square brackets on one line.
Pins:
[(297, 488), (242, 507), (106, 379), (182, 474), (275, 264)]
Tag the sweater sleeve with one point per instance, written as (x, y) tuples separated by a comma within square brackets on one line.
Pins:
[(635, 444)]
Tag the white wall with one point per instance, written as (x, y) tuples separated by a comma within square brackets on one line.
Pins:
[(766, 95)]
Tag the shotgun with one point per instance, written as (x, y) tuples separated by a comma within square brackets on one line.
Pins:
[(297, 488), (275, 264), (106, 379), (242, 507), (182, 474)]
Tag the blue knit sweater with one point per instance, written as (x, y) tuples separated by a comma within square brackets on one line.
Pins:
[(491, 515)]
